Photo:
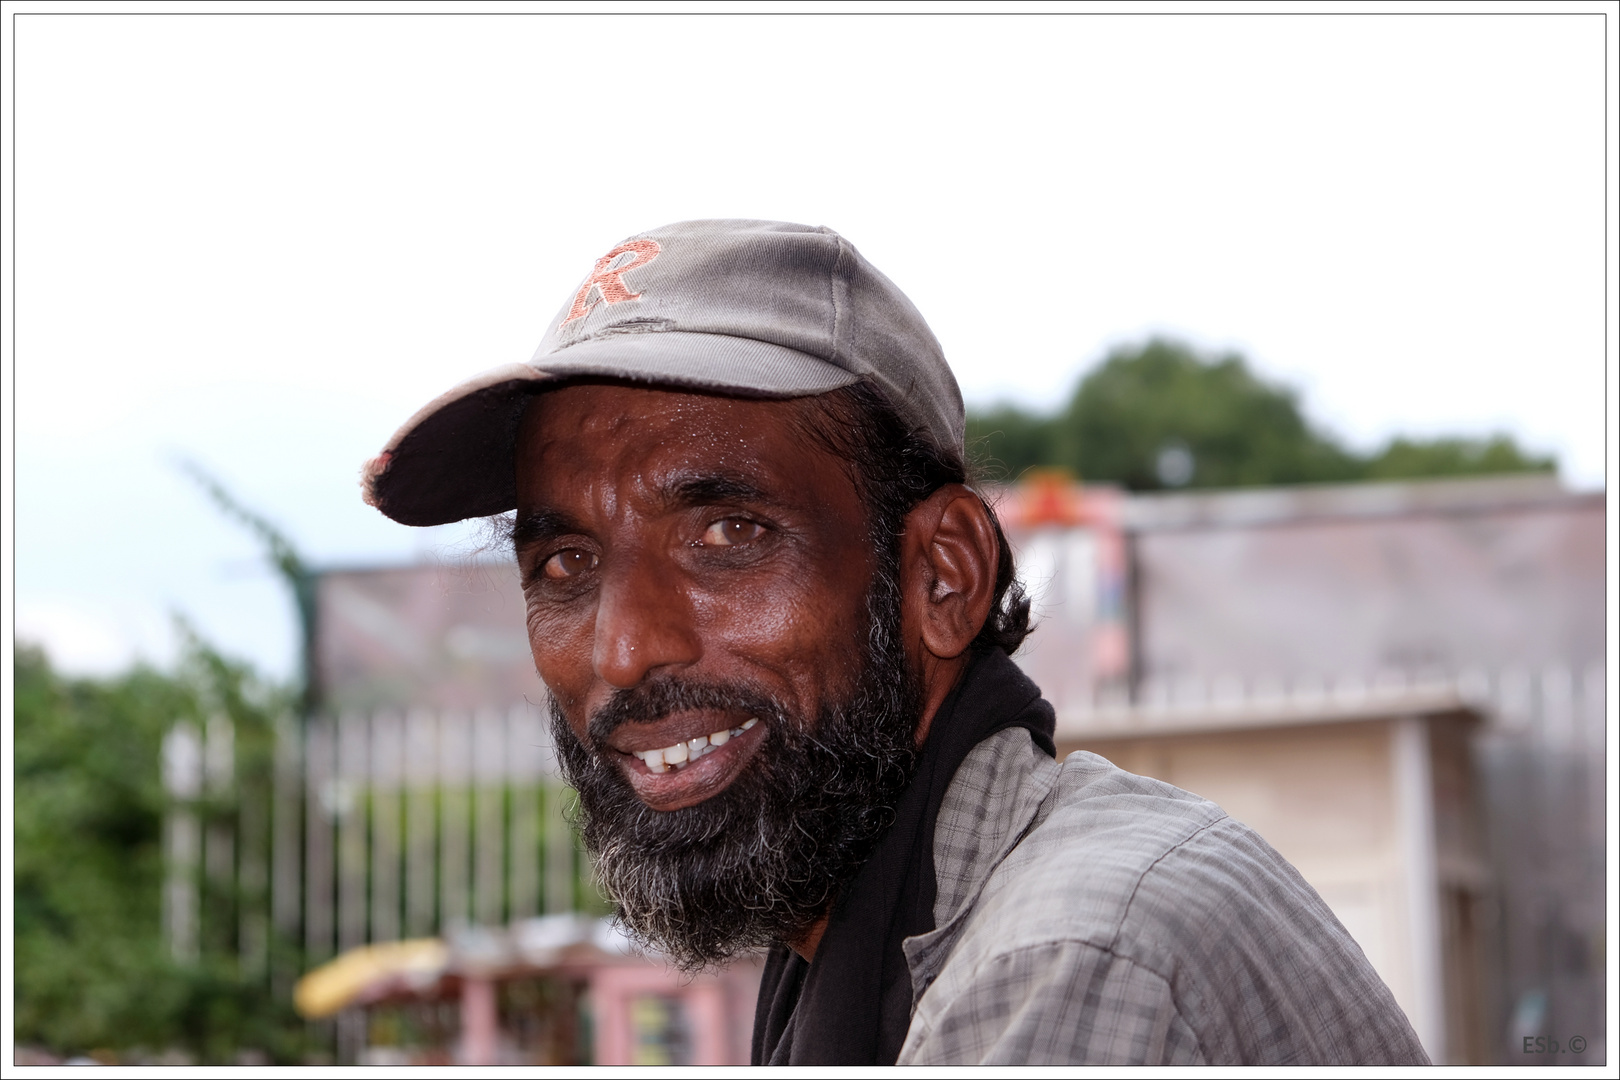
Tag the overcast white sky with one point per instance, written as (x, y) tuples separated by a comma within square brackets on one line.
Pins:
[(263, 241)]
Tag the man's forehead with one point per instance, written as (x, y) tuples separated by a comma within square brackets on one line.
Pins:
[(610, 407), (672, 445)]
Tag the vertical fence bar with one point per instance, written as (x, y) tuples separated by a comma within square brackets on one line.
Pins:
[(1593, 695), (252, 880), (1594, 742), (421, 773), (1558, 714), (455, 776), (354, 754), (182, 840), (523, 755), (320, 782), (217, 919), (489, 817), (387, 748), (286, 850), (560, 871)]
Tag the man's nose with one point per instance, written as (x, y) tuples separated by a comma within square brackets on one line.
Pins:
[(643, 621)]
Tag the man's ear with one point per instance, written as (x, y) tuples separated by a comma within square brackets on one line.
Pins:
[(948, 558)]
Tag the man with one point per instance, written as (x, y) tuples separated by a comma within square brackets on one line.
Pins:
[(776, 626)]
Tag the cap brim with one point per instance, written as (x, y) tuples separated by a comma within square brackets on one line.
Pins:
[(454, 459)]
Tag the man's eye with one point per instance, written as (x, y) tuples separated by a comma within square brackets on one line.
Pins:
[(569, 563), (729, 531)]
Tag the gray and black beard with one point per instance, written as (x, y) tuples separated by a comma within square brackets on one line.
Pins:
[(760, 861)]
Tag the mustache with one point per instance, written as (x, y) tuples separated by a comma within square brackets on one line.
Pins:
[(653, 700)]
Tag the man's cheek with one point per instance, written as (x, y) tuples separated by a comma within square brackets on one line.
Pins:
[(808, 610), (558, 640)]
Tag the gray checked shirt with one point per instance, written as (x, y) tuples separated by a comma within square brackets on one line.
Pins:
[(1086, 915)]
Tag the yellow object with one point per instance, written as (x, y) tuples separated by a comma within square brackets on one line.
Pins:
[(337, 983)]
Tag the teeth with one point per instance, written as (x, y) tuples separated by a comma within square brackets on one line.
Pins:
[(682, 753)]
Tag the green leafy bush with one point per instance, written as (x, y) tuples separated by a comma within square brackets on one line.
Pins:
[(92, 967)]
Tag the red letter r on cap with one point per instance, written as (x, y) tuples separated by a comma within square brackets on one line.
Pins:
[(610, 283)]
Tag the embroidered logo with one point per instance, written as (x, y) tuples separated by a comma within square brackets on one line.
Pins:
[(608, 280)]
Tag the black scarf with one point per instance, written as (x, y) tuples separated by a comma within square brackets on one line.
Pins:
[(852, 1005)]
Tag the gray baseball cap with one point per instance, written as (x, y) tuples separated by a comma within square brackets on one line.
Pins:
[(752, 308)]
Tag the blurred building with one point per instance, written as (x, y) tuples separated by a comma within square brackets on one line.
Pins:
[(1165, 598), (1400, 686), (448, 637)]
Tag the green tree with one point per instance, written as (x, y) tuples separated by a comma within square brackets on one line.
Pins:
[(1405, 458), (1161, 415), (1145, 407), (92, 967), (1006, 440)]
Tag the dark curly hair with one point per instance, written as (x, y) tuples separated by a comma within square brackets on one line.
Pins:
[(894, 468)]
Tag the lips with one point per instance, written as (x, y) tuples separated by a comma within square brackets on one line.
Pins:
[(682, 754), (671, 772)]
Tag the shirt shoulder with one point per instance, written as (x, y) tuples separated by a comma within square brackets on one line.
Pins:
[(1169, 921)]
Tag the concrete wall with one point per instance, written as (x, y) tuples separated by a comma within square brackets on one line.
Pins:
[(1498, 574)]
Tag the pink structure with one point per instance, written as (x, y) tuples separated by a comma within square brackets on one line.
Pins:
[(627, 1007), (642, 1012), (715, 1011)]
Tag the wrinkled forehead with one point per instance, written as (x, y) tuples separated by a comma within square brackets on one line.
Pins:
[(641, 439), (610, 408)]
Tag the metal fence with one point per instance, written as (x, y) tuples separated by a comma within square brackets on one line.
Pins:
[(1542, 767), (372, 827)]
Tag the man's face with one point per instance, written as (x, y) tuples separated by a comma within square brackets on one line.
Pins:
[(704, 604)]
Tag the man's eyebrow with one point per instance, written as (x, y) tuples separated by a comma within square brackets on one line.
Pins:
[(699, 489), (538, 526)]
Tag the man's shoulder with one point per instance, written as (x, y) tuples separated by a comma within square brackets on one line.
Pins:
[(1106, 846), (1114, 824), (1177, 919), (1061, 848), (1165, 880)]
